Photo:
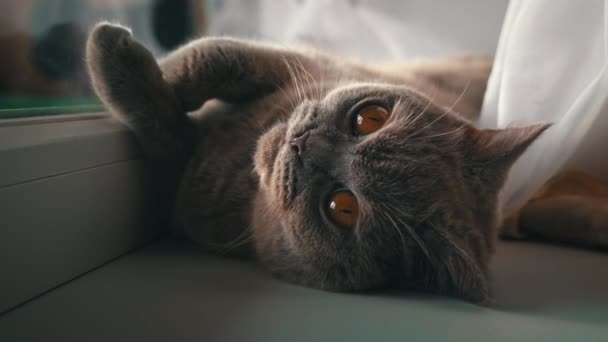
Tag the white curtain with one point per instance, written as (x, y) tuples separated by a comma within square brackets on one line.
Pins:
[(378, 30), (551, 65)]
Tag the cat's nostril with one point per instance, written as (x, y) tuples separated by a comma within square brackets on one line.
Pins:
[(299, 143)]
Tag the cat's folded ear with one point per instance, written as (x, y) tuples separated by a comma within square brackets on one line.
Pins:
[(492, 151)]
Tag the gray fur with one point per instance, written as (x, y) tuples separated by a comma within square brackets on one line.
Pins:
[(427, 182)]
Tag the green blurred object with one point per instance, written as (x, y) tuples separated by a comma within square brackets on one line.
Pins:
[(20, 107)]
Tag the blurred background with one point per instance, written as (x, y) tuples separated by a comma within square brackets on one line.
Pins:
[(42, 70)]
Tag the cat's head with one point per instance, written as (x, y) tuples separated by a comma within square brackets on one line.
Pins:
[(376, 186)]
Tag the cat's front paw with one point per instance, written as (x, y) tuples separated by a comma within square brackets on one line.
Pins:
[(107, 35), (106, 49), (122, 70), (109, 45), (112, 51)]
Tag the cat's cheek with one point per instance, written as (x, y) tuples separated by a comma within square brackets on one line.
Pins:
[(267, 229), (266, 152)]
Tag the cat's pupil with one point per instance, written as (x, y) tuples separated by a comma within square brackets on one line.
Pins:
[(370, 119), (343, 209)]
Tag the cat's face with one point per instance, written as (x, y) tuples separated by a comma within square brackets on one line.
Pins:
[(381, 188)]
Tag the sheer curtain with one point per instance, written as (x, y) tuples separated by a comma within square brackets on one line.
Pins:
[(551, 65), (378, 30)]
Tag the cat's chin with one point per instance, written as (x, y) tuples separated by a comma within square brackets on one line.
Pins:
[(266, 153)]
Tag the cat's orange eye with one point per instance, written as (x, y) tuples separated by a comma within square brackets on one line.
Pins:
[(370, 119), (343, 209)]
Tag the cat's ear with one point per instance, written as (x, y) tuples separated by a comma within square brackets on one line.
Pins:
[(493, 151)]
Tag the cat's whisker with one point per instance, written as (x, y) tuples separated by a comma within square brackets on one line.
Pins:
[(461, 252), (293, 78), (320, 83), (421, 113), (409, 228), (472, 266), (411, 123), (299, 82), (321, 89), (410, 102), (292, 103), (309, 77), (299, 71), (394, 225), (281, 108), (457, 129), (447, 111), (243, 238), (398, 106), (404, 105), (399, 211)]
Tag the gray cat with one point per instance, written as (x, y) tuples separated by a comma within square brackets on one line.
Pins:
[(334, 175)]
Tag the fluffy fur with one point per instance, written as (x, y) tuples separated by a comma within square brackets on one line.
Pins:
[(426, 182)]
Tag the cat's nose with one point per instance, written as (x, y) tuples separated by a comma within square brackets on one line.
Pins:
[(298, 144)]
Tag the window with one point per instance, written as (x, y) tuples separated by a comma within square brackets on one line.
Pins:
[(42, 67)]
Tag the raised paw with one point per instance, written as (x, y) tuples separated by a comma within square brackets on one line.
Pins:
[(118, 63), (109, 47), (106, 34), (128, 80)]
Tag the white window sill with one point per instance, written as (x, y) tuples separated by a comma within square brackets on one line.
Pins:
[(73, 196)]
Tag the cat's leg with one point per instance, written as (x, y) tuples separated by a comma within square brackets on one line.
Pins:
[(572, 208), (236, 71), (127, 78), (574, 219)]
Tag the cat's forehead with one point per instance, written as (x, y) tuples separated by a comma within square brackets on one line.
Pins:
[(352, 92), (402, 100)]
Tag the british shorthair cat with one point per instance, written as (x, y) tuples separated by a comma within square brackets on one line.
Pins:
[(333, 174)]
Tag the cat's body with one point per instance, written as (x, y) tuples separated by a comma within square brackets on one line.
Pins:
[(280, 137), (230, 134)]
